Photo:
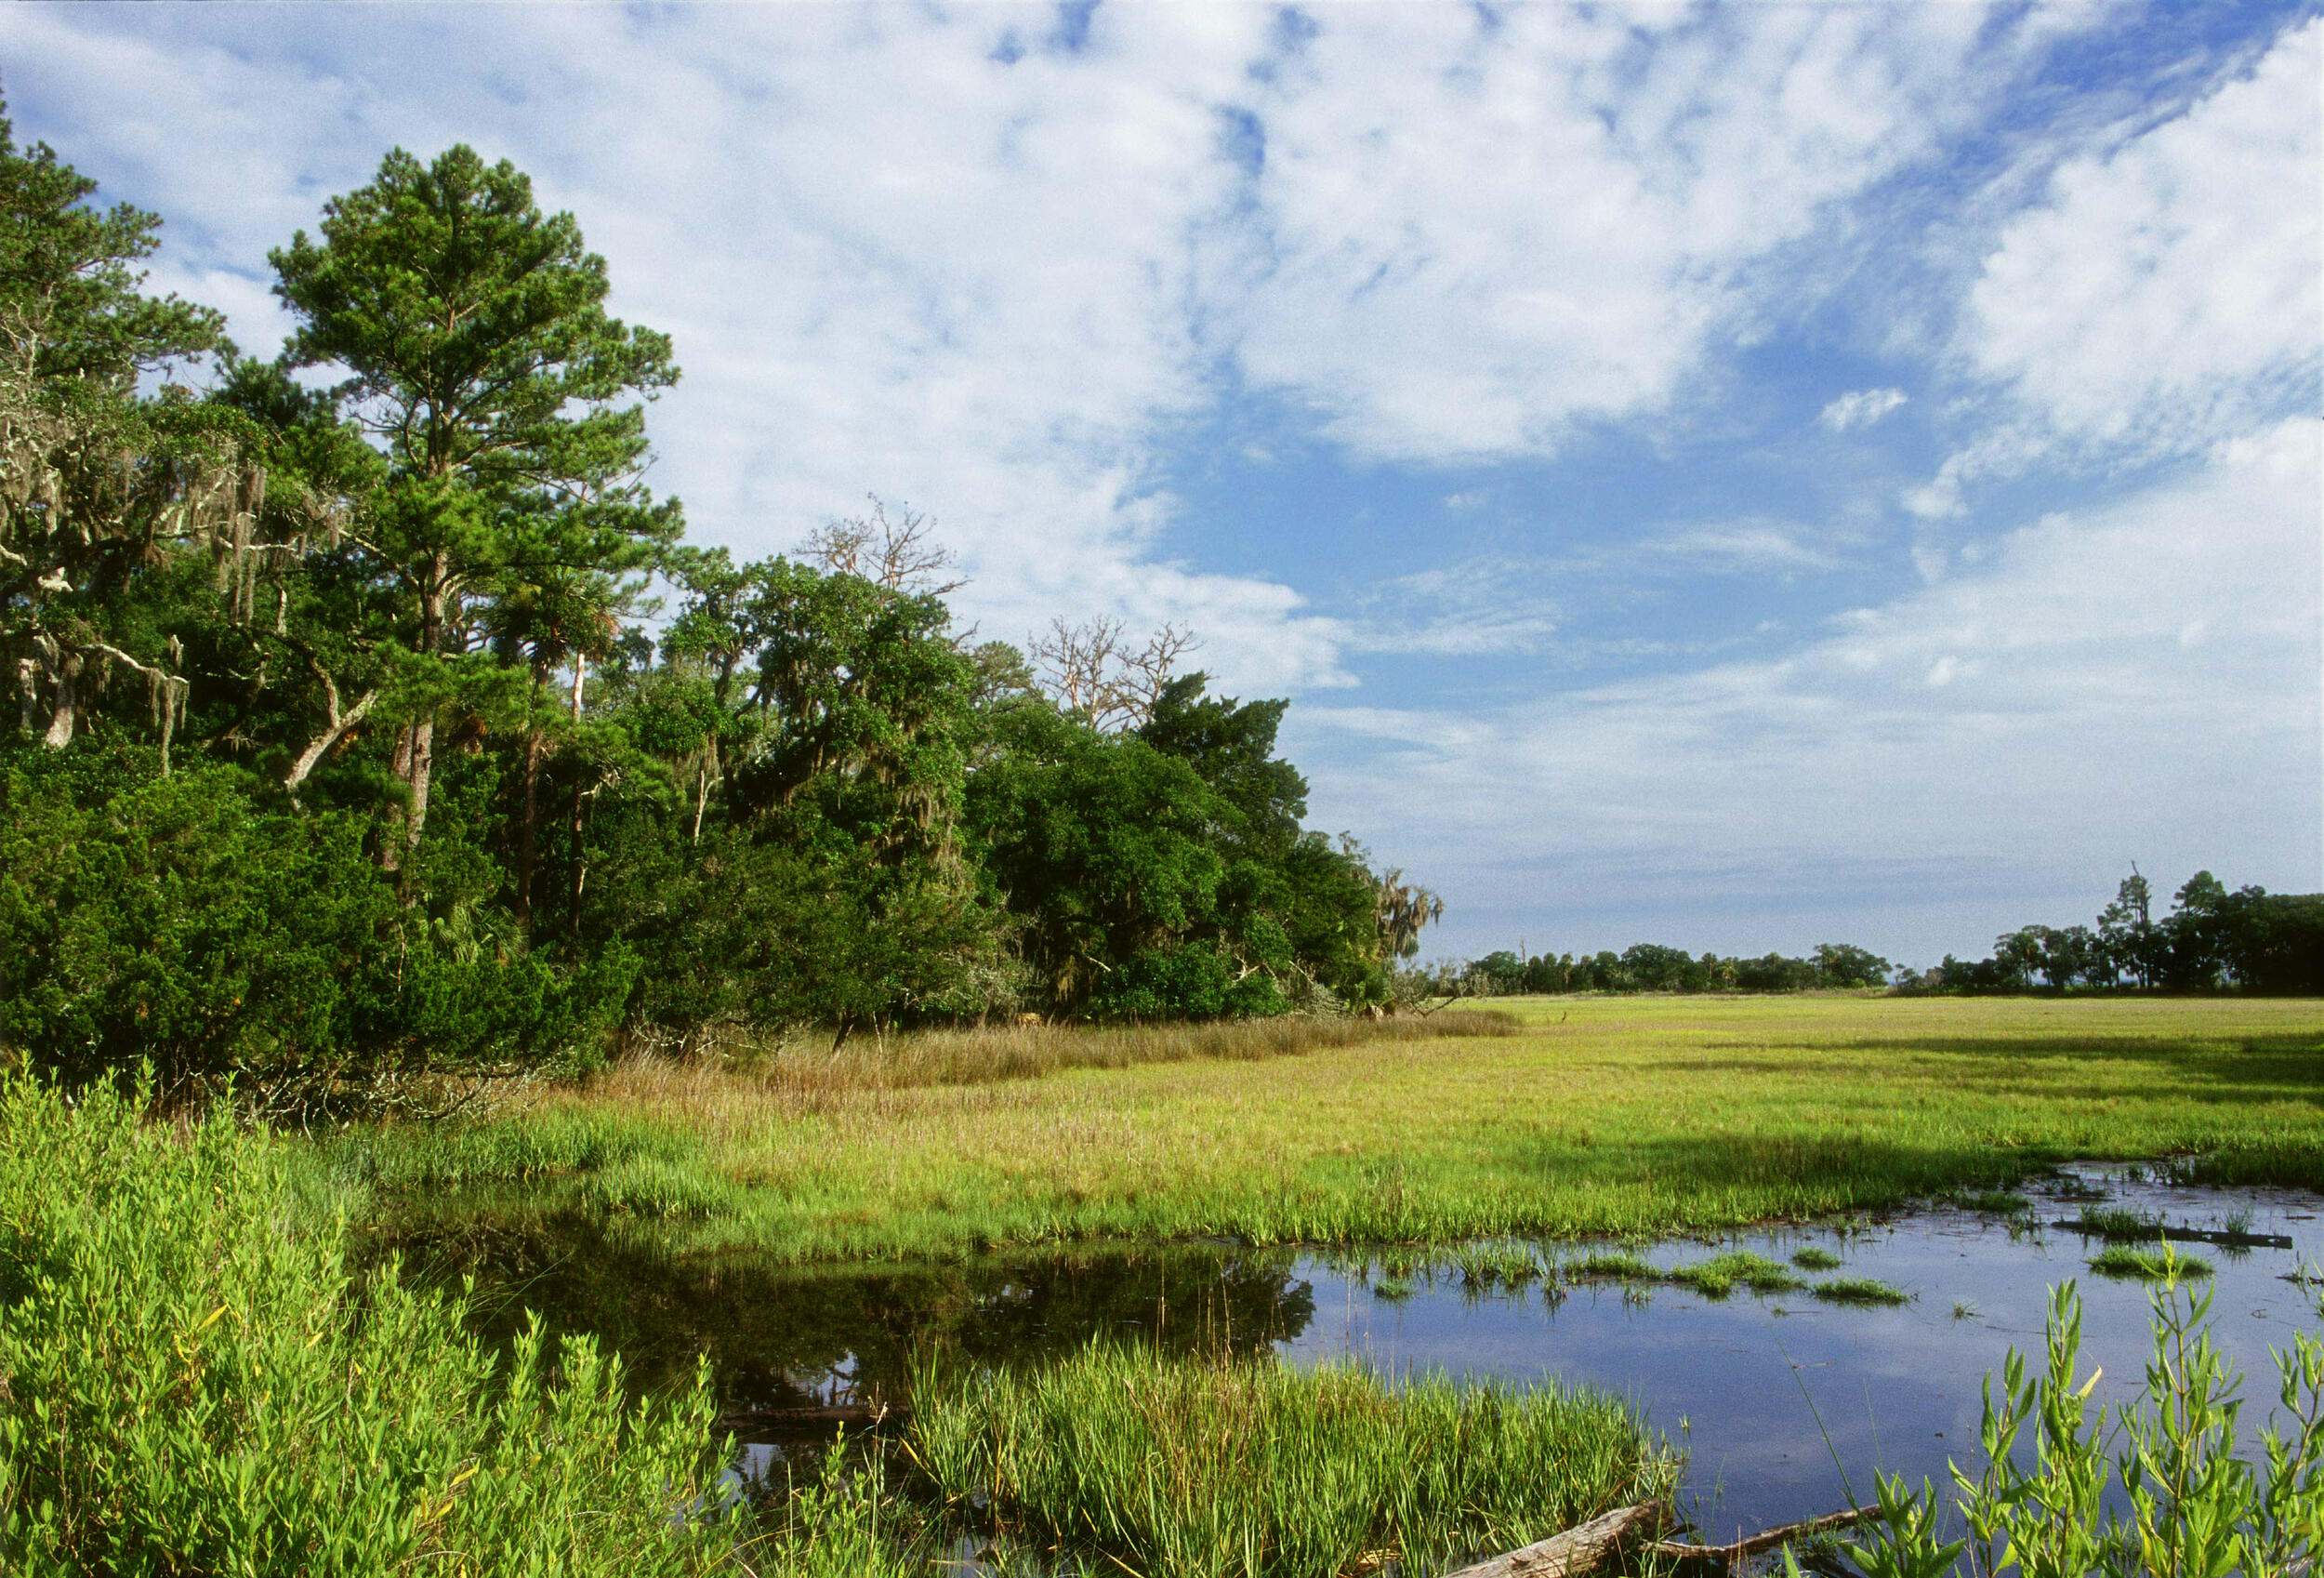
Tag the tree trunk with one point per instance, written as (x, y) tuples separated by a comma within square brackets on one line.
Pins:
[(335, 729), (579, 863), (65, 714), (528, 834)]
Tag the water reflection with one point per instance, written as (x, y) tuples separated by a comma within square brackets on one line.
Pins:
[(1770, 1395), (788, 1346)]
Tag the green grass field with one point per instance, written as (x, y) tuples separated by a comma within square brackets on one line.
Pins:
[(1599, 1115)]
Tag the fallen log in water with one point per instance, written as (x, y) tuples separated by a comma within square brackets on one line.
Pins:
[(1725, 1557), (2223, 1236), (1575, 1552), (1582, 1549)]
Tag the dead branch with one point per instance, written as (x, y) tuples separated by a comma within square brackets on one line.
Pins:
[(1577, 1550), (1727, 1556), (895, 553)]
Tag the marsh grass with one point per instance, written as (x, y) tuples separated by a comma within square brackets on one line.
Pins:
[(998, 1054), (2163, 1262), (1497, 1267), (1994, 1203), (1721, 1275), (1592, 1119), (1867, 1291), (2115, 1225), (1203, 1467), (1815, 1258)]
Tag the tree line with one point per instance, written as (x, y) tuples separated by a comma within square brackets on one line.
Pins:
[(373, 714), (2211, 940), (1653, 967)]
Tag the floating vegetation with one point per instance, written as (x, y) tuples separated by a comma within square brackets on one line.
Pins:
[(1393, 1290), (1611, 1265), (1815, 1258)]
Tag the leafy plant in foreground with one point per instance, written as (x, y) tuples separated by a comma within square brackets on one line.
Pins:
[(191, 1383), (2189, 1508)]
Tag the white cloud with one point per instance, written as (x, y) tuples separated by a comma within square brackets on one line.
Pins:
[(1860, 408), (1746, 547), (2032, 723), (1476, 233), (2163, 294), (889, 261)]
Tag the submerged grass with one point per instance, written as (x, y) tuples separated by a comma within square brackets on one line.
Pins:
[(1222, 1468), (1606, 1116), (1815, 1258)]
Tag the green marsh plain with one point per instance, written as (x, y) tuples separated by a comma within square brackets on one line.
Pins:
[(1546, 1118)]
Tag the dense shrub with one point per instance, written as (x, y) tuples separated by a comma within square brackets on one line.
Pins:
[(179, 922)]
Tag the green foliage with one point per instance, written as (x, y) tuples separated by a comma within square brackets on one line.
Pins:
[(414, 602), (1205, 1467), (194, 1385), (177, 922), (2189, 1505)]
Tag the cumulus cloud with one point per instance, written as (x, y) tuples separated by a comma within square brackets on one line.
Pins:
[(1477, 233), (2028, 724), (2160, 295), (1860, 408), (892, 257)]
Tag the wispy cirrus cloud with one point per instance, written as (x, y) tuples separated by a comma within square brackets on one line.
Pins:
[(1861, 408)]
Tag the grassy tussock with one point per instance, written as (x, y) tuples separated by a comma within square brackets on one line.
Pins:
[(1204, 1468), (190, 1383), (2160, 1264), (1869, 1291)]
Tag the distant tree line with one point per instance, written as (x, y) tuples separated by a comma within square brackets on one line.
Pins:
[(372, 715), (1652, 967), (2212, 940)]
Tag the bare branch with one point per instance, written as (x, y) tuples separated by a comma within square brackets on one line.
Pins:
[(898, 554)]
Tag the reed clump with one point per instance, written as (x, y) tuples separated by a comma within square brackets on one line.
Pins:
[(1215, 1467)]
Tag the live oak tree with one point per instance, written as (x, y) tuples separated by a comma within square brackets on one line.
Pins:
[(507, 402), (96, 472)]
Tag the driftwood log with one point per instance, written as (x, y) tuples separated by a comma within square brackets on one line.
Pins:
[(1582, 1549), (1726, 1557), (1575, 1552)]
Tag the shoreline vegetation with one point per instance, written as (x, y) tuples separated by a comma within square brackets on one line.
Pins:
[(197, 1381)]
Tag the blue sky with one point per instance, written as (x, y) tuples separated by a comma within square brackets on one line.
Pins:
[(1739, 477)]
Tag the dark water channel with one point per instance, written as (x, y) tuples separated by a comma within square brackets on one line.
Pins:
[(1764, 1392)]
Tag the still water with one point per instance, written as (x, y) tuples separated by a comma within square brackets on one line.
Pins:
[(1786, 1406)]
